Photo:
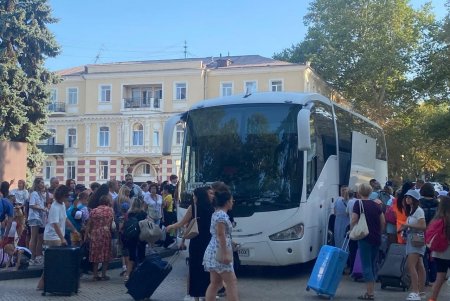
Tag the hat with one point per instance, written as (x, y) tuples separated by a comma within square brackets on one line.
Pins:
[(80, 187), (413, 193), (125, 206)]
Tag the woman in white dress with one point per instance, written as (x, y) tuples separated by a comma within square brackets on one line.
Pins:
[(220, 264)]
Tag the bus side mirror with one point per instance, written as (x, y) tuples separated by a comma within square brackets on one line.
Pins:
[(169, 127), (303, 130)]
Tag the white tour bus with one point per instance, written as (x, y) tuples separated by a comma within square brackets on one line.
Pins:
[(284, 156)]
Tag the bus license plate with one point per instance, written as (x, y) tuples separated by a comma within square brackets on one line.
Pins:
[(243, 252)]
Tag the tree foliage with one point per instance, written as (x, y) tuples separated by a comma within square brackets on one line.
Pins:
[(25, 43), (384, 57)]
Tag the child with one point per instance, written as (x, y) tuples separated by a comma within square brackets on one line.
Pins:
[(18, 257)]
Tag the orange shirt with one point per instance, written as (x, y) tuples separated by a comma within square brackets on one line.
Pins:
[(401, 219)]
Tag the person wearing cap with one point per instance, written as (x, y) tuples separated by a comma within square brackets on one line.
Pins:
[(415, 225)]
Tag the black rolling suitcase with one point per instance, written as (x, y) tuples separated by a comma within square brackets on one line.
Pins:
[(147, 276), (393, 272), (62, 270)]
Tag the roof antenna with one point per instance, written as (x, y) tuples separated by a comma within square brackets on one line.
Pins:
[(97, 57), (185, 49)]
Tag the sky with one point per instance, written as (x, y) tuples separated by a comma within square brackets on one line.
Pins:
[(104, 31)]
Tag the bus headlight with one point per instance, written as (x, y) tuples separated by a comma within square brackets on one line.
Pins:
[(293, 233)]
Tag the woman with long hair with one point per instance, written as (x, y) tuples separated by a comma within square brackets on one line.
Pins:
[(70, 183), (203, 210), (21, 193), (36, 220), (442, 259), (399, 207), (341, 221), (218, 258), (415, 226)]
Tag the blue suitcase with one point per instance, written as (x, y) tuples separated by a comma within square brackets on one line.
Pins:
[(328, 270)]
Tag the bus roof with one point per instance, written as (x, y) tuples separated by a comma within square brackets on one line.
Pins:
[(271, 98), (261, 97)]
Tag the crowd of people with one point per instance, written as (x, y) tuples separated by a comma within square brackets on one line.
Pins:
[(401, 217), (94, 218)]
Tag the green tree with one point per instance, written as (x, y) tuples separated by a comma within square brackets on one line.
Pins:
[(364, 49), (385, 58), (25, 43)]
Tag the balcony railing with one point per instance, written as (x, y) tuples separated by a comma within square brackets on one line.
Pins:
[(57, 107), (135, 103), (51, 149)]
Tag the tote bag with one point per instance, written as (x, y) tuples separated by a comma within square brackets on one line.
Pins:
[(192, 228), (360, 230)]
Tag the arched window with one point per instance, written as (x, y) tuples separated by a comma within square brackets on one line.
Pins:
[(138, 134)]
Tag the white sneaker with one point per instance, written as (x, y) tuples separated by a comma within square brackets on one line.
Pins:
[(39, 260), (413, 297), (188, 298), (32, 262)]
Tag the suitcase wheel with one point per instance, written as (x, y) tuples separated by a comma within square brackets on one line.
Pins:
[(308, 288)]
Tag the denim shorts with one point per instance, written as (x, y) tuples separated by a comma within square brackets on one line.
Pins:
[(35, 222)]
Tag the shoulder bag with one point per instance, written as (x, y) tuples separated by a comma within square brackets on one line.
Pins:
[(192, 228), (150, 232), (360, 230)]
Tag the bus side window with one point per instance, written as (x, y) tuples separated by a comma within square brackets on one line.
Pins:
[(311, 174)]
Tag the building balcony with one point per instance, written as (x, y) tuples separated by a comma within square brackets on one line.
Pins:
[(140, 103), (52, 149), (57, 108)]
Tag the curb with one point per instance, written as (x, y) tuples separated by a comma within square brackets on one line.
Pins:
[(36, 271)]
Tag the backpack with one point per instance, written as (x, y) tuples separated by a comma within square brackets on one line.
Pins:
[(384, 197), (131, 228), (3, 209), (429, 207), (435, 236)]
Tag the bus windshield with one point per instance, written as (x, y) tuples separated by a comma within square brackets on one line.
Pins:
[(250, 147)]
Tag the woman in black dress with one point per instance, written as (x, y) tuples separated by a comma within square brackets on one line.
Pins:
[(203, 209)]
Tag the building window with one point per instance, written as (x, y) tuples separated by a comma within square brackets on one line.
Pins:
[(180, 134), (180, 91), (72, 96), (52, 139), (103, 136), (250, 87), (105, 93), (138, 134), (48, 171), (226, 89), (155, 138), (103, 170), (71, 138), (53, 95), (70, 170), (276, 85)]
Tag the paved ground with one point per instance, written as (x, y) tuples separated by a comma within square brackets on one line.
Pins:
[(254, 284)]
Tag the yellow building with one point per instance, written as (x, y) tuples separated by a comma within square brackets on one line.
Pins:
[(107, 119)]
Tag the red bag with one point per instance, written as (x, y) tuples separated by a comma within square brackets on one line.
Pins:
[(435, 237), (391, 218)]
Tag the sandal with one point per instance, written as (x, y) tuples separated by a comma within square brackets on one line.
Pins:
[(366, 296), (125, 279)]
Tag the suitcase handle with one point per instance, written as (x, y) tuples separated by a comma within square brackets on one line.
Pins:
[(346, 242), (172, 259)]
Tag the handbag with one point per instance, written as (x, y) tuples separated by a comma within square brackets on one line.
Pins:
[(360, 230), (192, 228), (224, 254), (150, 232), (417, 239)]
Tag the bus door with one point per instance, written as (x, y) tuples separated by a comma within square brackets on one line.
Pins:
[(362, 166)]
